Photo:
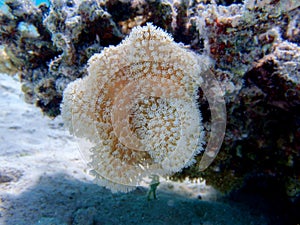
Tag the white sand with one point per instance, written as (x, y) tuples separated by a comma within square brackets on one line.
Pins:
[(43, 180)]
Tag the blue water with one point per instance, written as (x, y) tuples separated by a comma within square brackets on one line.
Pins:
[(37, 2)]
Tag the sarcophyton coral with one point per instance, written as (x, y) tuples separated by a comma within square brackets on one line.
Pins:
[(255, 48), (138, 109)]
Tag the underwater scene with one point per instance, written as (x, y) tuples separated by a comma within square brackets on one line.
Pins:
[(155, 112)]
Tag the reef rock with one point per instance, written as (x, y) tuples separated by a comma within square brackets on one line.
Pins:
[(254, 46)]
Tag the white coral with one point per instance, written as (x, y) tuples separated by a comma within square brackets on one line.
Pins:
[(138, 108)]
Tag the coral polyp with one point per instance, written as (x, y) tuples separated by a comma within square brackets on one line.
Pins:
[(138, 107)]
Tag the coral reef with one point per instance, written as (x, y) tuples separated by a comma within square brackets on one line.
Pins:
[(7, 64), (29, 48), (254, 46), (259, 72)]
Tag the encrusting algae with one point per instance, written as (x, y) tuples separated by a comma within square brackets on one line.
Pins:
[(138, 107)]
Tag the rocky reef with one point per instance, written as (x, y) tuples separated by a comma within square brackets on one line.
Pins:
[(257, 63), (256, 54)]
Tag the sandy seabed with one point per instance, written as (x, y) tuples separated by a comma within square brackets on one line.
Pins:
[(44, 180)]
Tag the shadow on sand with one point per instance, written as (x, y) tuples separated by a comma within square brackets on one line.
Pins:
[(59, 199)]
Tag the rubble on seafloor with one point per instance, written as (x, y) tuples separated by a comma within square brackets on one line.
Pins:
[(256, 53)]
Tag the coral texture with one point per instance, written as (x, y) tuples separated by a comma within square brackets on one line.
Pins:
[(6, 64), (254, 44), (138, 107), (259, 72)]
